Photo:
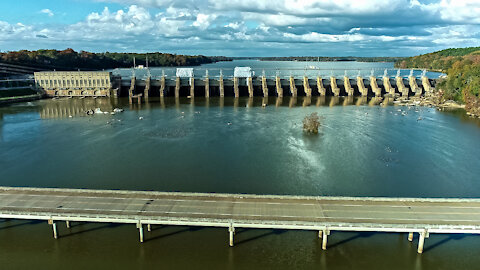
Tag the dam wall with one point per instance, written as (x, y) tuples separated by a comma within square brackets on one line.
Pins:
[(244, 83)]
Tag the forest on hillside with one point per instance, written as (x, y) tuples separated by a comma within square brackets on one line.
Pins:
[(441, 60), (463, 73), (71, 60)]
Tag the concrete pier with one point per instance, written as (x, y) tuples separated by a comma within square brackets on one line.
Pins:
[(162, 86), (278, 86), (333, 85), (192, 87), (348, 88), (207, 87), (177, 86), (131, 90), (231, 232), (414, 86), (54, 228), (361, 87), (375, 89), (401, 86), (325, 233), (388, 86), (410, 236), (146, 91), (421, 241), (221, 86), (236, 89), (293, 87), (140, 230), (250, 86), (264, 86), (306, 86), (320, 88), (426, 85)]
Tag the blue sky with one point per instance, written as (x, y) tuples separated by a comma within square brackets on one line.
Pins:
[(242, 27)]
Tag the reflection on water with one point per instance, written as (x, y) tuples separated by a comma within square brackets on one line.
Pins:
[(73, 107)]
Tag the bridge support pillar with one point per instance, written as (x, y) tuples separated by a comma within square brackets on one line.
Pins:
[(54, 227), (231, 231), (410, 236), (293, 88), (306, 87), (192, 87), (140, 231), (320, 234), (221, 86), (278, 85), (320, 88), (236, 91), (67, 223), (250, 87), (177, 87), (162, 86), (264, 86), (149, 227), (207, 87), (421, 241), (326, 233)]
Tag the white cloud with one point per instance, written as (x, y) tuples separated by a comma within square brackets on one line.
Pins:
[(369, 27), (47, 12), (204, 20)]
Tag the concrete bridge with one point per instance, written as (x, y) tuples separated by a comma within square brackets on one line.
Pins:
[(324, 215)]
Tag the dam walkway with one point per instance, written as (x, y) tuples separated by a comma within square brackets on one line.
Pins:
[(231, 211)]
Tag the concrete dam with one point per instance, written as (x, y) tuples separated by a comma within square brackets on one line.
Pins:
[(244, 82)]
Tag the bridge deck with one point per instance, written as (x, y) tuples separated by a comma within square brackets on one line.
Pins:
[(251, 211)]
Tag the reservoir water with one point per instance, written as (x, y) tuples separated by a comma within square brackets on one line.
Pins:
[(236, 146)]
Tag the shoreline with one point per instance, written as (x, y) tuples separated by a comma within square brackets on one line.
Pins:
[(18, 99)]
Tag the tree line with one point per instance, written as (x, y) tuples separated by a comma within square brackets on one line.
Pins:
[(71, 60)]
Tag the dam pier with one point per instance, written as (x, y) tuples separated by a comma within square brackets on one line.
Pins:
[(244, 82), (324, 215)]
